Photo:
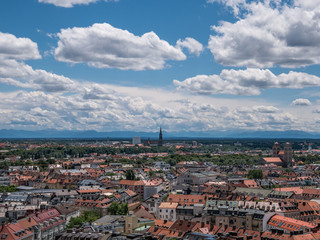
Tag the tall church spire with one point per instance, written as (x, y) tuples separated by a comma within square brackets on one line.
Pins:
[(160, 142)]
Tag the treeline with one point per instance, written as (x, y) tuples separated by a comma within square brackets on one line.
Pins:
[(71, 151), (308, 159)]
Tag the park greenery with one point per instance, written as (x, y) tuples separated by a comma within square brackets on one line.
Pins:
[(255, 174), (86, 217), (130, 175), (118, 209), (8, 189)]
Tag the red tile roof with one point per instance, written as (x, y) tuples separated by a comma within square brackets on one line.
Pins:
[(132, 182), (289, 224), (15, 232), (90, 191), (272, 160), (186, 199)]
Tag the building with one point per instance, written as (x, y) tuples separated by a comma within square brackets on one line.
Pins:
[(136, 140), (51, 223), (285, 156), (167, 211), (289, 225), (152, 187), (136, 186), (197, 178), (13, 231)]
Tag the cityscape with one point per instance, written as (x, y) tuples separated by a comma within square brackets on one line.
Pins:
[(147, 188), (159, 120)]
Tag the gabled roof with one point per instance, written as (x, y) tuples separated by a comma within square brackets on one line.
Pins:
[(289, 224), (172, 205), (272, 160), (27, 222), (186, 199), (12, 231), (132, 182)]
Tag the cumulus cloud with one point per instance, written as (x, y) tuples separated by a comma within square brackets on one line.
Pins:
[(12, 47), (245, 82), (192, 45), (301, 102), (235, 5), (22, 75), (71, 3), (15, 72), (41, 110), (269, 33), (104, 46)]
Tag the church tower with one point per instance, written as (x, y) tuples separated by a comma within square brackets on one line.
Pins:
[(287, 156), (275, 149), (160, 142)]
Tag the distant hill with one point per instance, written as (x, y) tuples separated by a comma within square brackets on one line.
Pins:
[(51, 133)]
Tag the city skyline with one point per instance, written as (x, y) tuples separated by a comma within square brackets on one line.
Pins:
[(123, 65)]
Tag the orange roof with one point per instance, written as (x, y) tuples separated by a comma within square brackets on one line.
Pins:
[(162, 223), (289, 224), (250, 183), (130, 193), (131, 182), (15, 232), (296, 190), (168, 205), (307, 236), (90, 191), (309, 191), (272, 160), (27, 222), (186, 199)]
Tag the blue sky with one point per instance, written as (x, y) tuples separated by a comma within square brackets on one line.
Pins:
[(197, 65)]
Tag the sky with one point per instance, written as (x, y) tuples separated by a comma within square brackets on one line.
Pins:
[(136, 65)]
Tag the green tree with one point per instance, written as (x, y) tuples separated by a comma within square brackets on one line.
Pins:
[(255, 174), (130, 175), (151, 173), (114, 208), (87, 216), (123, 209)]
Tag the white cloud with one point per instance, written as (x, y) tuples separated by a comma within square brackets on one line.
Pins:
[(15, 72), (12, 47), (245, 82), (41, 110), (104, 46), (22, 75), (234, 4), (269, 33), (54, 101), (301, 102), (71, 3), (192, 45)]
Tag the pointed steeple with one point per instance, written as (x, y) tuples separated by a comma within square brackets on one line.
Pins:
[(160, 142)]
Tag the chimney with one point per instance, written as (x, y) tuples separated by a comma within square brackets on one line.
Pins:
[(29, 219), (211, 227)]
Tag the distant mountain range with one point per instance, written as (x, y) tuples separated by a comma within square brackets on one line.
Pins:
[(51, 133)]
